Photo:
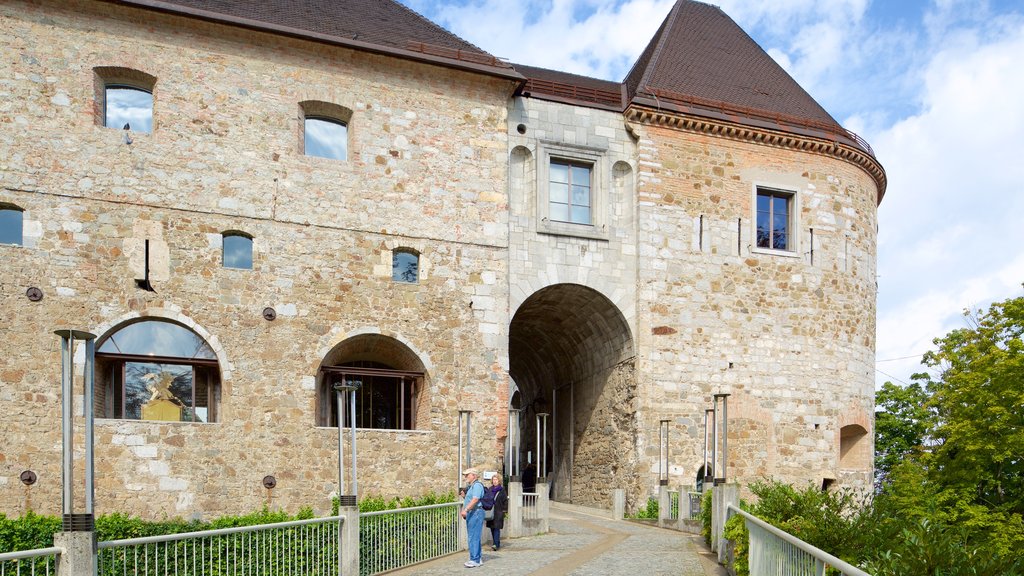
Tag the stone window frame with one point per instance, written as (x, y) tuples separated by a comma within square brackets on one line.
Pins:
[(329, 112), (405, 250), (118, 76), (792, 249), (252, 249), (600, 186), (8, 207)]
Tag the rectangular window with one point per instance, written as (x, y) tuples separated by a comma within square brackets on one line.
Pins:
[(775, 219), (569, 192)]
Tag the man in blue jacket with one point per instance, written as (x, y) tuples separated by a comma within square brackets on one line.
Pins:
[(474, 515)]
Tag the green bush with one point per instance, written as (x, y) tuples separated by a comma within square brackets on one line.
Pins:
[(705, 515), (649, 512), (929, 548)]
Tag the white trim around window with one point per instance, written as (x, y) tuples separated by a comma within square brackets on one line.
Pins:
[(594, 158), (761, 210)]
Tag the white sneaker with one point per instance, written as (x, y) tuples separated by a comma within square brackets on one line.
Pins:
[(472, 564)]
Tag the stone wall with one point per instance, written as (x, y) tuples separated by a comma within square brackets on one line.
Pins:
[(427, 170), (792, 341)]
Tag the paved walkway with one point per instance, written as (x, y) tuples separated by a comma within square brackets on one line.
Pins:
[(583, 545)]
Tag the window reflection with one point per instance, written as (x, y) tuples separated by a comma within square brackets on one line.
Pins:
[(237, 251), (11, 226), (404, 266), (125, 105), (326, 138), (156, 338), (569, 192)]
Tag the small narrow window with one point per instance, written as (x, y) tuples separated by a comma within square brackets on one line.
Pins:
[(11, 225), (405, 266), (774, 219), (569, 192), (326, 138), (127, 107), (237, 251)]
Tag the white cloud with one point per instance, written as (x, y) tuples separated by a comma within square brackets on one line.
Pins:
[(952, 222)]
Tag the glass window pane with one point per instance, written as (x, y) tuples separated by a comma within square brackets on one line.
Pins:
[(404, 266), (780, 229), (558, 193), (237, 252), (158, 391), (581, 214), (580, 196), (326, 138), (763, 202), (131, 106), (156, 338), (559, 173), (780, 205), (559, 212), (11, 225), (581, 175)]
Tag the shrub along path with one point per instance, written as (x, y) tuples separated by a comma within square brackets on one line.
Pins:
[(582, 545)]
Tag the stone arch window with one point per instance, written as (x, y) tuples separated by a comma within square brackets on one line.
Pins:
[(390, 380), (405, 265), (124, 98), (155, 369), (854, 448), (12, 222), (324, 130), (236, 248)]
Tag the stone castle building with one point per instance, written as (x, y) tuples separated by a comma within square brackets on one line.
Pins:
[(251, 202)]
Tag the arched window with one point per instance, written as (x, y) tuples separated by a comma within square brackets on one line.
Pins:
[(389, 381), (11, 225), (405, 266), (125, 98), (854, 448), (324, 129), (156, 370), (237, 250)]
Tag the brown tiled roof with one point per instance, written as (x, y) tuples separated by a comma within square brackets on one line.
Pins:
[(384, 25), (571, 88), (700, 55)]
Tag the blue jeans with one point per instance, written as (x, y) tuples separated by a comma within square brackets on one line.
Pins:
[(474, 526)]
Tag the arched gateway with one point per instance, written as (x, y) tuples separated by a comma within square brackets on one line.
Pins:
[(571, 354)]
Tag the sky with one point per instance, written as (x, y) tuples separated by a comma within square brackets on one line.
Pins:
[(935, 86)]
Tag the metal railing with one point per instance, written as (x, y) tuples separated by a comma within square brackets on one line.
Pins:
[(530, 506), (694, 499), (673, 504), (392, 539), (773, 552), (41, 561), (300, 547)]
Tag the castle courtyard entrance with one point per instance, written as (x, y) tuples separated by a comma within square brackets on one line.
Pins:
[(571, 355)]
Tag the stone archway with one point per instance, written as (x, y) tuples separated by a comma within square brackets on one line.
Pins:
[(571, 354)]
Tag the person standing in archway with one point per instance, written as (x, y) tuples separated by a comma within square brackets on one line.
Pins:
[(474, 515)]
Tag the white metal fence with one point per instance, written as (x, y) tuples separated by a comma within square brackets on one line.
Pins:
[(530, 506), (392, 539), (673, 504), (296, 548), (39, 562), (773, 552)]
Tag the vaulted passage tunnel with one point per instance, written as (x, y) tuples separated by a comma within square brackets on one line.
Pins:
[(571, 355)]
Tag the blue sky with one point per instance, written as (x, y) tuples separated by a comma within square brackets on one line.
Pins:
[(936, 87)]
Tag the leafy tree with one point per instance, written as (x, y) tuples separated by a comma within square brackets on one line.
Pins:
[(902, 422), (978, 400)]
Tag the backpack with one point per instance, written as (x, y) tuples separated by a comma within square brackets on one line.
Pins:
[(488, 500)]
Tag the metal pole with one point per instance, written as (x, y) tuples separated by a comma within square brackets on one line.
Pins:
[(572, 432), (469, 439), (90, 357), (540, 471), (352, 399), (67, 424), (706, 473), (663, 463), (725, 434), (340, 416), (714, 436)]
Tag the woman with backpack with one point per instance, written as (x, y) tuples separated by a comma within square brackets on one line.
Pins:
[(497, 522)]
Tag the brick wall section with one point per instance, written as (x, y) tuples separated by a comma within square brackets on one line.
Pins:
[(427, 170)]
